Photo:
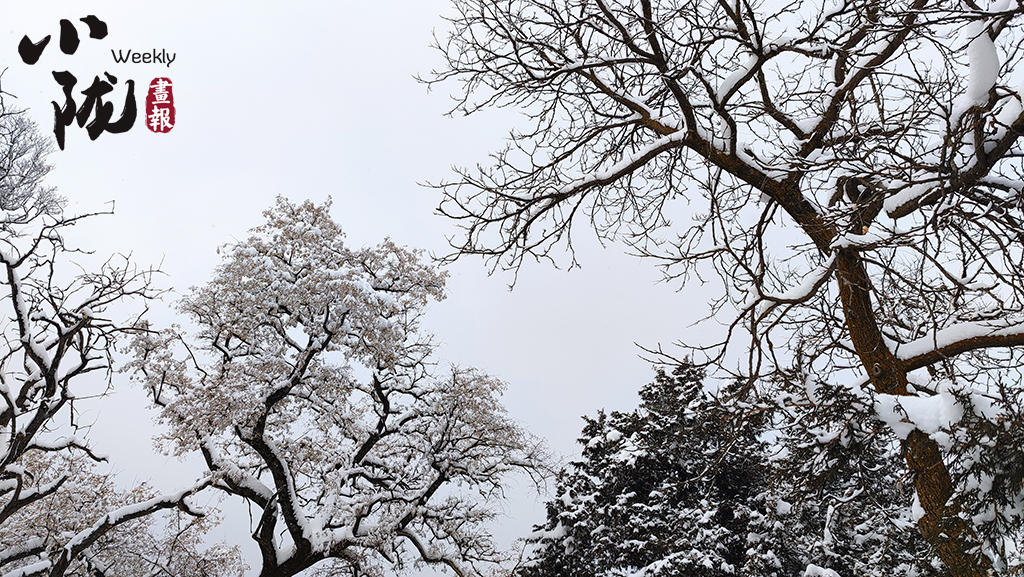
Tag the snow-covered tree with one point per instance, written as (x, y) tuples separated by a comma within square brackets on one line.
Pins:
[(153, 544), (850, 170), (689, 486), (669, 489), (313, 394), (58, 516)]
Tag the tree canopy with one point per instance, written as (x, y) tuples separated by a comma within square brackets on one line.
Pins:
[(314, 396), (851, 173)]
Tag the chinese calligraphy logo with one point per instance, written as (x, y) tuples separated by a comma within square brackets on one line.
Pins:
[(160, 111)]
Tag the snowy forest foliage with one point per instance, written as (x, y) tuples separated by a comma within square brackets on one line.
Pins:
[(313, 395), (309, 388), (849, 172), (847, 175), (689, 485)]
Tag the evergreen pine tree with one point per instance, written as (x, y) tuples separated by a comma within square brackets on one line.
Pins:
[(696, 483)]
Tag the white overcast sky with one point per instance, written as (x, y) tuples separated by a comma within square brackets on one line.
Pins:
[(318, 99)]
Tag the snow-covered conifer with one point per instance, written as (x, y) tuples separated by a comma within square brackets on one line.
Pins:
[(696, 483)]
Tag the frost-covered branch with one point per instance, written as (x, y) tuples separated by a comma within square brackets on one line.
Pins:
[(57, 513)]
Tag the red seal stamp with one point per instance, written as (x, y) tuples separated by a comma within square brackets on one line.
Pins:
[(160, 105)]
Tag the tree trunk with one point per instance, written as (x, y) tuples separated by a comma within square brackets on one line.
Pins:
[(952, 537)]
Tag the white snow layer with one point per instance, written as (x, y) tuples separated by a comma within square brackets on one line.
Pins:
[(957, 333), (984, 65), (730, 81), (983, 69), (806, 286), (815, 571), (904, 413)]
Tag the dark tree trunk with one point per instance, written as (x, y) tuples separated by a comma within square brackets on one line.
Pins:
[(951, 536)]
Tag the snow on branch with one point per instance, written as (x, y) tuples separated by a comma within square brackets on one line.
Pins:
[(960, 338)]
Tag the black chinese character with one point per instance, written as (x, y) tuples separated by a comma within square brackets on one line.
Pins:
[(30, 52), (64, 116)]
